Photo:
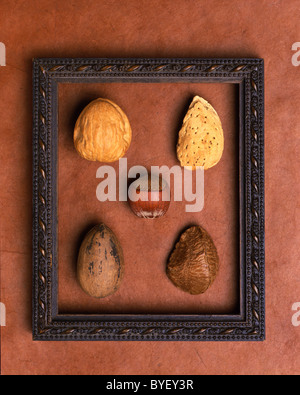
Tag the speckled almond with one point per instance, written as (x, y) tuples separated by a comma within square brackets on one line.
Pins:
[(201, 138)]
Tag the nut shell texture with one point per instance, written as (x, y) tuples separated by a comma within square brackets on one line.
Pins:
[(194, 264), (100, 266), (154, 198), (102, 132), (201, 138)]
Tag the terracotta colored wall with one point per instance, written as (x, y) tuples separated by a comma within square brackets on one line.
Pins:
[(140, 28)]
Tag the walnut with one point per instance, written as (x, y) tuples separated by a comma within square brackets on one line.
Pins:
[(102, 132), (194, 264)]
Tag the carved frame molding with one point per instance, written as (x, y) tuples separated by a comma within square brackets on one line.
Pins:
[(48, 324)]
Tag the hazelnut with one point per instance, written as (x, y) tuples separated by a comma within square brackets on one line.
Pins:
[(153, 197)]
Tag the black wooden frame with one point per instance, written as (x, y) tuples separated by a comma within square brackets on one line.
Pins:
[(48, 324)]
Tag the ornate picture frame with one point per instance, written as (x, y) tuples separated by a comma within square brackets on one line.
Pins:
[(48, 324)]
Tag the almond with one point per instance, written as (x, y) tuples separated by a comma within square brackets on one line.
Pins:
[(201, 138)]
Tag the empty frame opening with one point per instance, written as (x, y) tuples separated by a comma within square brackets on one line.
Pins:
[(155, 112)]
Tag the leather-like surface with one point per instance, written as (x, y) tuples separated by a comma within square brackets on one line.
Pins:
[(138, 28), (156, 113)]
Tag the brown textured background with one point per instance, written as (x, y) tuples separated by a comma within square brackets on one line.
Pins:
[(156, 113), (138, 28)]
